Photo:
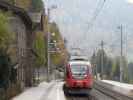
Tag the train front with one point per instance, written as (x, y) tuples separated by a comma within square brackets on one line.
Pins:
[(78, 77)]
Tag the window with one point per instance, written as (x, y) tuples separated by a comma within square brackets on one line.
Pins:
[(79, 69)]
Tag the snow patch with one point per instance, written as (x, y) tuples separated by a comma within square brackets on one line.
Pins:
[(57, 92), (34, 93), (31, 94), (44, 91), (121, 87), (43, 84)]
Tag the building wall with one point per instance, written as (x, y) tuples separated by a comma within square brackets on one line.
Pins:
[(22, 25), (18, 28)]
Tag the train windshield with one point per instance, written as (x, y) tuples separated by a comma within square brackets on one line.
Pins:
[(79, 69)]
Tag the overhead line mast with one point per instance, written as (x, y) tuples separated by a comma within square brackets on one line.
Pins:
[(102, 58)]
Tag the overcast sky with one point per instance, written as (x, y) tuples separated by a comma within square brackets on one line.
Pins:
[(74, 16)]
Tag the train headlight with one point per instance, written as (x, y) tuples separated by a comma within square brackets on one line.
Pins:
[(85, 75)]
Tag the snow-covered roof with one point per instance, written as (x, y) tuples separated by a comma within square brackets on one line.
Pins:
[(77, 57)]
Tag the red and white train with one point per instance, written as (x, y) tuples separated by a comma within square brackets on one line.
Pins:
[(78, 77)]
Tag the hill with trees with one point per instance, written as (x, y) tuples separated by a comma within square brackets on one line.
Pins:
[(110, 69)]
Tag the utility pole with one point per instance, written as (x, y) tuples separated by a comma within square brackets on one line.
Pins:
[(121, 59), (48, 46), (102, 57), (48, 42), (94, 63)]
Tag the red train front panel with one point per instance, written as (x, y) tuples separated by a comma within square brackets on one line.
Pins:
[(79, 76)]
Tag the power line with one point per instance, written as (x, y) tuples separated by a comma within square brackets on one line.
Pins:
[(96, 13)]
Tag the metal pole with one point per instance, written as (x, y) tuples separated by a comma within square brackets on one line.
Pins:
[(121, 64), (121, 28), (96, 64), (48, 47), (48, 43), (96, 71), (102, 59)]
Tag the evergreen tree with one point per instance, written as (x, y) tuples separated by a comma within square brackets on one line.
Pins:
[(116, 69), (37, 5), (130, 71), (107, 63)]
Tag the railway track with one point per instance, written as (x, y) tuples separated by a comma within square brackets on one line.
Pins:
[(80, 98), (111, 94), (101, 91)]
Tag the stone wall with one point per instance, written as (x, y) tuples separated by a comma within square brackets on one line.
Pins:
[(21, 26), (18, 28)]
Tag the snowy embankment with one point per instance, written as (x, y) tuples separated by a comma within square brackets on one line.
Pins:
[(45, 91), (124, 88)]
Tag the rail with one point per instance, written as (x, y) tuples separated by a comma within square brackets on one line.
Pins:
[(78, 98)]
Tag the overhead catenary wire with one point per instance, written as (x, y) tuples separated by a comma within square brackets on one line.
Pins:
[(96, 13)]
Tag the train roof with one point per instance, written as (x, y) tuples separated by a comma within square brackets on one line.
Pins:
[(79, 58), (79, 62)]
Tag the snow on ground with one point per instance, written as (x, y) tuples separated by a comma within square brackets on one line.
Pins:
[(56, 93), (121, 87), (43, 84), (44, 91), (31, 94)]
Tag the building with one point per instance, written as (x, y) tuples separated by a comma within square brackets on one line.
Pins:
[(21, 25)]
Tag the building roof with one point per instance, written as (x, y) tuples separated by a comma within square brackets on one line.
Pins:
[(80, 63)]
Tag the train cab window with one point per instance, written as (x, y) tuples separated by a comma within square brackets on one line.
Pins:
[(79, 69)]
